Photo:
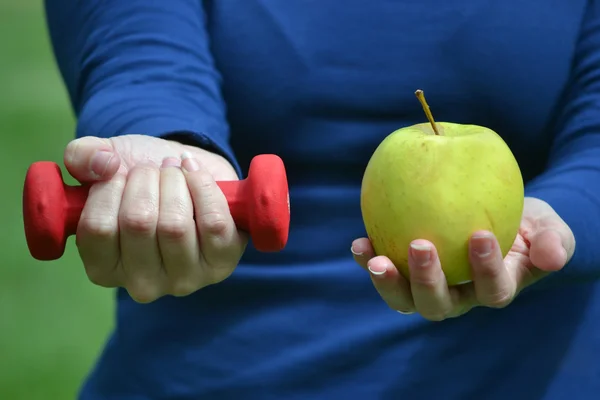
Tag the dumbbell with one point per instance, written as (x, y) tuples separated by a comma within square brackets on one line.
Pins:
[(259, 205)]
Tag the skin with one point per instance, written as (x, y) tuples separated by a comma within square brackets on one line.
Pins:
[(544, 244), (137, 229)]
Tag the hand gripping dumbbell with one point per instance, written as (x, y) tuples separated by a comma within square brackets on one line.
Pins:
[(259, 205)]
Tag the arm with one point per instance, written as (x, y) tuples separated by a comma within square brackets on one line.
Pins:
[(140, 67), (571, 183)]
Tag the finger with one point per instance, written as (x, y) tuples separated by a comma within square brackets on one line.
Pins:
[(393, 288), (176, 231), (494, 286), (97, 235), (428, 283), (221, 245), (90, 159), (547, 251), (138, 218), (362, 251)]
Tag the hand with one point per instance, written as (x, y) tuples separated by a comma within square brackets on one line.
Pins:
[(137, 229), (544, 244)]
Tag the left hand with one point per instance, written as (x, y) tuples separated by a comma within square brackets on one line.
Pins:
[(544, 244)]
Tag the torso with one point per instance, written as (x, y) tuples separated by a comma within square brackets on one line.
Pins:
[(321, 83)]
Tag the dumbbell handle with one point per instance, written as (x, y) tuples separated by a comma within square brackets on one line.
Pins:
[(76, 196), (258, 204)]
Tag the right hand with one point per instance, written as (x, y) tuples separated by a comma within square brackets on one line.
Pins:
[(138, 230)]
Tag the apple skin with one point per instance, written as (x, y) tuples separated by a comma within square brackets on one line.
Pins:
[(442, 188)]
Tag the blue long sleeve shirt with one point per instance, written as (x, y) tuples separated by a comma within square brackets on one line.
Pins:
[(321, 84)]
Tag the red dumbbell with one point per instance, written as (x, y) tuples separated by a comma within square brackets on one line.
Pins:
[(259, 205)]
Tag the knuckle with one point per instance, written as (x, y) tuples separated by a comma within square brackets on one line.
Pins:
[(489, 267), (499, 300), (205, 180), (219, 273), (174, 227), (490, 271), (183, 287), (146, 168), (143, 291), (426, 282), (214, 223), (142, 222), (435, 316), (99, 227), (98, 277), (143, 296)]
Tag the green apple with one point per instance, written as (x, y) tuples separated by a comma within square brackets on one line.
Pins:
[(441, 181)]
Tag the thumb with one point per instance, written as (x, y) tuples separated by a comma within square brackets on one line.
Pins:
[(550, 249), (90, 159)]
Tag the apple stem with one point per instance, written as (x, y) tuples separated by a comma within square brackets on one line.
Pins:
[(421, 96)]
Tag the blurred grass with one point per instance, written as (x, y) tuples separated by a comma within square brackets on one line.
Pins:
[(53, 322)]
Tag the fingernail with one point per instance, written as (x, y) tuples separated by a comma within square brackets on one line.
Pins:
[(421, 254), (482, 244), (170, 162), (356, 252), (189, 163), (100, 162), (377, 270)]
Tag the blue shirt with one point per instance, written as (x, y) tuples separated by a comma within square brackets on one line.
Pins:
[(321, 84)]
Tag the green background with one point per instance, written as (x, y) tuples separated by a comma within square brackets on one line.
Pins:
[(53, 321)]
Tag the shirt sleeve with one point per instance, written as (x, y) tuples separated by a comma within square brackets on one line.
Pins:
[(140, 67), (571, 182)]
